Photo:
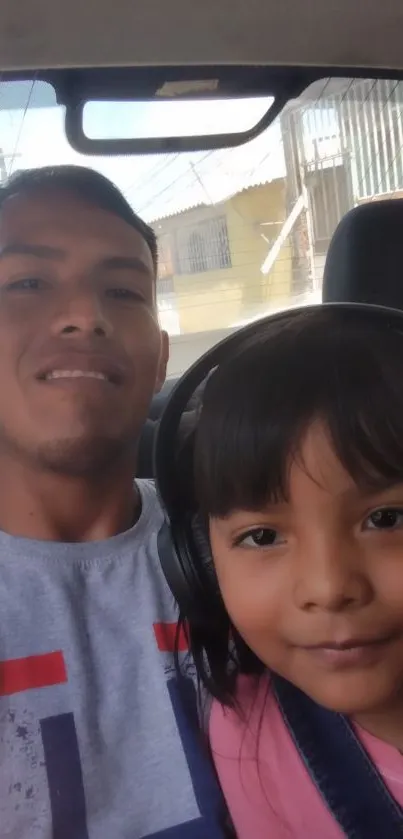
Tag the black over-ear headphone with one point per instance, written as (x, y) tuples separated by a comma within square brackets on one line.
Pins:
[(183, 544)]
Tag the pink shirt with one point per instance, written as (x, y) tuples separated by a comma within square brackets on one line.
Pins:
[(268, 790)]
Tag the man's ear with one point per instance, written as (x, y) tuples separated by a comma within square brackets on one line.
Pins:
[(163, 362)]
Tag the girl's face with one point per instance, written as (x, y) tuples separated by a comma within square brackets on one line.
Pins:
[(315, 585)]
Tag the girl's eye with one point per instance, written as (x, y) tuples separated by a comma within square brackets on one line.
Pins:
[(386, 518), (26, 284), (123, 294), (260, 537)]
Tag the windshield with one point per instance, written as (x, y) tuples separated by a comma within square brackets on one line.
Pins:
[(242, 232)]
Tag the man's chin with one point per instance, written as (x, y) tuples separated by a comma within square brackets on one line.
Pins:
[(82, 456)]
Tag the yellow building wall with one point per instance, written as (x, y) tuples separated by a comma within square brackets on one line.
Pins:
[(222, 298)]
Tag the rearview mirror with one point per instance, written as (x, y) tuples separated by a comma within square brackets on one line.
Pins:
[(184, 118), (149, 127)]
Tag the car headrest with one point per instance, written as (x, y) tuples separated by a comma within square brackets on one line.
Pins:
[(160, 399), (158, 403), (146, 443), (365, 258), (145, 465)]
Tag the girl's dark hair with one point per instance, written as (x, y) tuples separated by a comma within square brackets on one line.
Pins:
[(87, 184), (342, 367)]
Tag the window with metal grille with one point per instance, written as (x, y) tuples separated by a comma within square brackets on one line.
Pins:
[(203, 247)]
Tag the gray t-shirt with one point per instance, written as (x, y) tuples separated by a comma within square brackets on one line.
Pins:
[(98, 738)]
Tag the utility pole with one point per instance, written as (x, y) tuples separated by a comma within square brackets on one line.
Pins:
[(301, 235)]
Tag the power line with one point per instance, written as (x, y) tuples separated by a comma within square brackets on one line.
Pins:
[(157, 169), (28, 102), (172, 183)]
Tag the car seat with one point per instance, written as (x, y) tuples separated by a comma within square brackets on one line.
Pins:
[(365, 257)]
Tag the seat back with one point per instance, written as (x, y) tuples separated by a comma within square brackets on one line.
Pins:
[(365, 258)]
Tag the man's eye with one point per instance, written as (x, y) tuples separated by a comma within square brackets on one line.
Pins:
[(26, 284), (123, 294), (260, 537), (386, 518)]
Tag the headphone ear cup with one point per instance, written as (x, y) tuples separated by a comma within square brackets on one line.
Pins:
[(207, 611), (202, 551), (203, 564), (188, 566), (202, 591)]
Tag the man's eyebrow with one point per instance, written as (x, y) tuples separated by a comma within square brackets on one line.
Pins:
[(125, 263), (40, 251)]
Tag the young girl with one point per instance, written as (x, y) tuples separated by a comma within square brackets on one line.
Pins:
[(298, 475)]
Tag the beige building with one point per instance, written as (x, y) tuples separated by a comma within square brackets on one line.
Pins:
[(211, 258)]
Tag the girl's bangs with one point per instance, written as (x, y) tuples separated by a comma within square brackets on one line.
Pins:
[(343, 369)]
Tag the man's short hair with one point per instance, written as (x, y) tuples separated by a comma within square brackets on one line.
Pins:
[(87, 184)]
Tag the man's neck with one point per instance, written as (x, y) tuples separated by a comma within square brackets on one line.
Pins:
[(47, 506)]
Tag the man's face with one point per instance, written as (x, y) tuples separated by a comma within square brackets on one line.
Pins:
[(81, 352)]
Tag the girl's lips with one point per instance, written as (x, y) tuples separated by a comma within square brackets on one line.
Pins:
[(353, 653)]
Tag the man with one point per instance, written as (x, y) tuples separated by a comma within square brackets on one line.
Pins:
[(95, 740)]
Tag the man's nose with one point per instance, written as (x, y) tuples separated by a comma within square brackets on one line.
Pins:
[(331, 576), (82, 313)]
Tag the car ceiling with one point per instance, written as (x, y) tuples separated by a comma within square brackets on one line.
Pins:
[(81, 33)]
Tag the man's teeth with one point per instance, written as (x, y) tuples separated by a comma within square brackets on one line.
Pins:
[(76, 374)]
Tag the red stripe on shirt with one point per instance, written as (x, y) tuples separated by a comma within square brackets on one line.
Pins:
[(165, 635), (37, 671)]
